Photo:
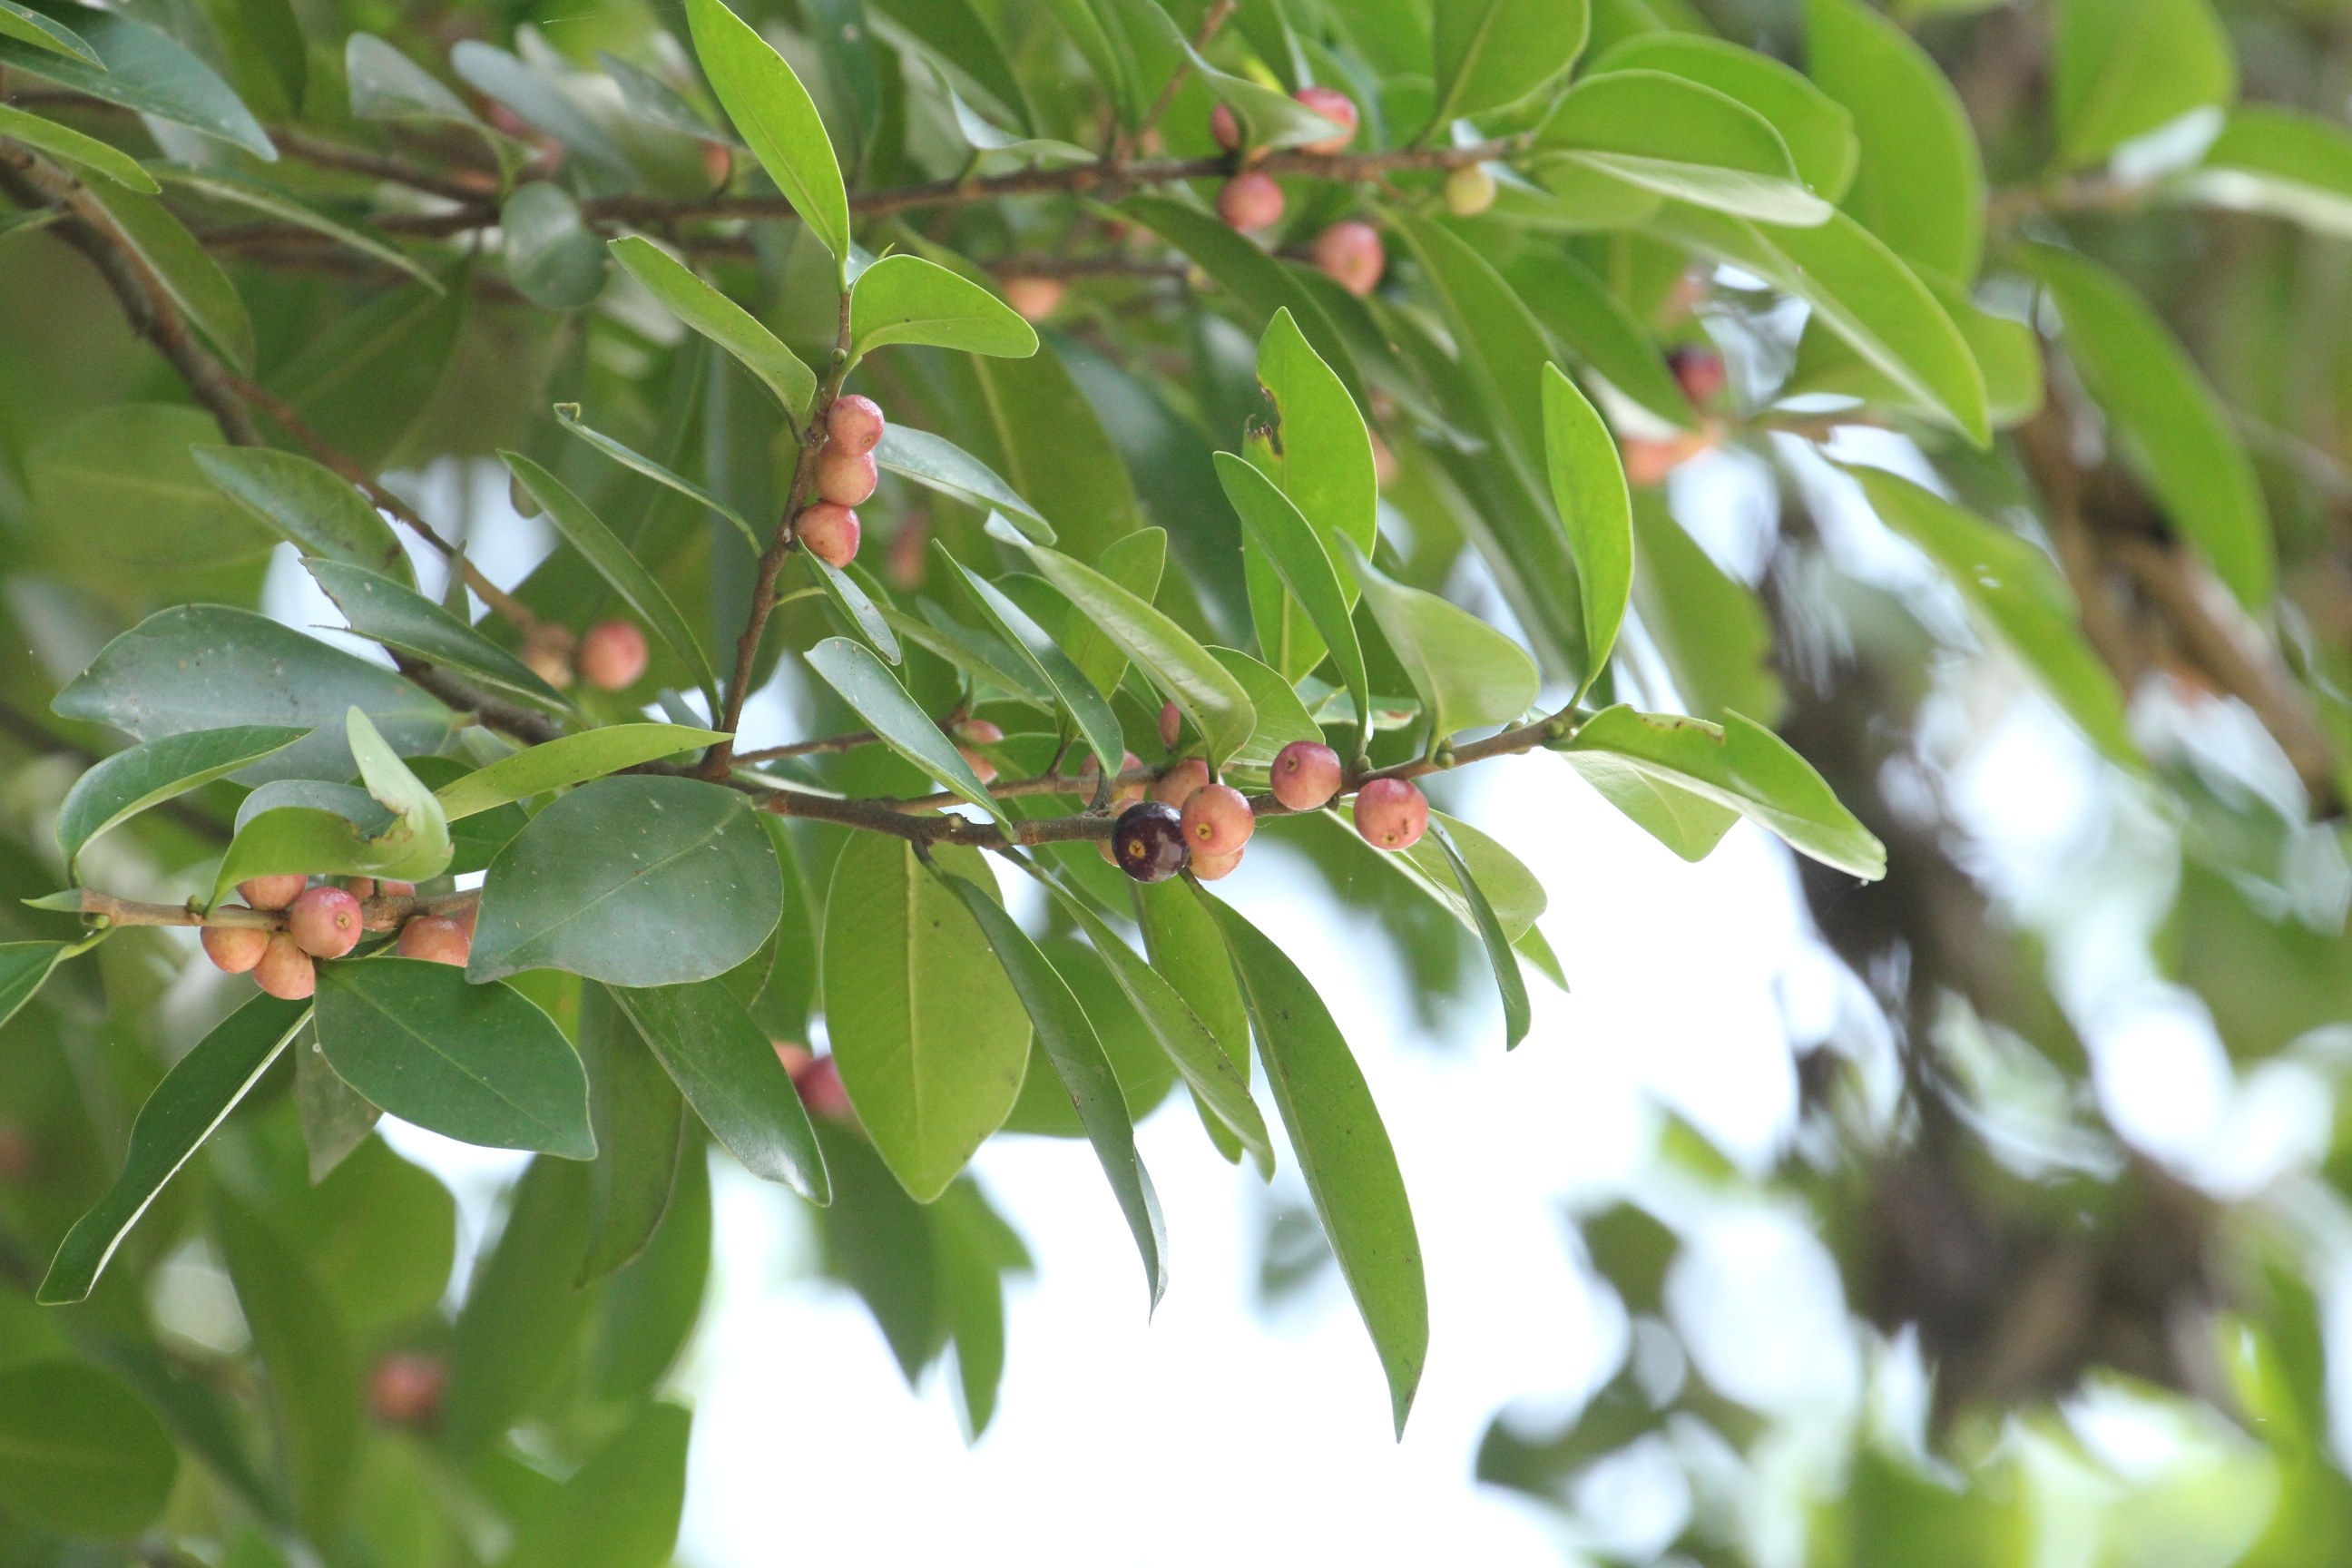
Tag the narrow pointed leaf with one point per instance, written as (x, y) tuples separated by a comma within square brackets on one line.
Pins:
[(776, 119), (127, 783), (311, 505), (937, 463), (1508, 980), (1593, 324), (1919, 182), (26, 967), (1587, 486), (1467, 673), (1304, 564), (242, 190), (568, 760), (568, 416), (30, 26), (197, 286), (640, 1124), (141, 68), (400, 619), (1672, 135), (722, 1062), (1098, 725), (721, 320), (869, 687), (1491, 53), (63, 142), (1819, 130)]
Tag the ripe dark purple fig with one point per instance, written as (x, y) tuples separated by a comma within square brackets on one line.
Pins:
[(855, 424), (1306, 775), (325, 922), (1148, 842), (234, 949), (272, 892), (611, 656), (1218, 820), (1392, 814), (1176, 785), (285, 971), (830, 533)]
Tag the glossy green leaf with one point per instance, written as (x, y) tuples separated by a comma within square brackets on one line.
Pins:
[(1688, 823), (197, 287), (1492, 53), (638, 879), (776, 118), (568, 760), (336, 1118), (1588, 487), (869, 689), (237, 189), (405, 621), (1214, 700), (1343, 1151), (1518, 1013), (939, 464), (126, 784), (27, 26), (1672, 135), (956, 34), (721, 320), (1134, 561), (1578, 310), (1741, 765), (63, 142), (1919, 185), (1514, 893), (26, 967), (2176, 432), (638, 1120), (621, 1509), (1817, 129), (2121, 68), (1304, 564), (1282, 716), (1185, 948), (930, 1037), (142, 68), (1468, 674), (518, 1331), (723, 1064), (1070, 1042), (478, 1063), (1201, 1058), (586, 533), (2278, 160), (316, 508), (553, 258), (2019, 594), (903, 298), (408, 841), (80, 1455), (568, 416), (1040, 430), (313, 1373), (1318, 448), (1863, 291), (194, 1098), (983, 137), (991, 665), (385, 84), (1087, 707)]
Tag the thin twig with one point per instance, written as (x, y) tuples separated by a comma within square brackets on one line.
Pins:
[(382, 913), (1214, 20), (523, 723), (462, 186), (822, 746)]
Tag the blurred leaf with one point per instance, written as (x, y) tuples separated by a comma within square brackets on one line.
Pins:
[(1588, 487), (568, 760), (318, 509), (638, 1120), (195, 282), (1919, 186), (519, 1328), (313, 1377), (195, 1097), (875, 696), (364, 384), (117, 488), (336, 1118), (1580, 310), (975, 1249), (1304, 564), (242, 190), (79, 1454), (476, 1063), (126, 784), (656, 102), (2122, 68), (385, 84), (378, 1234), (1818, 131), (141, 68), (929, 1035), (2177, 432), (955, 32), (539, 102), (1343, 1151), (1707, 627), (1053, 449), (634, 881), (729, 1074), (1087, 707), (1672, 135), (903, 298), (63, 142), (1492, 53), (645, 1313), (405, 621), (1468, 674), (776, 118), (553, 258), (25, 968), (621, 1509), (2281, 162), (30, 26), (721, 320)]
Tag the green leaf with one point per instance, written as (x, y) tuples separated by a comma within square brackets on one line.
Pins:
[(195, 1097), (1135, 562), (2281, 162), (1708, 627), (366, 383), (407, 622), (621, 1509), (2176, 432), (634, 881), (1052, 447), (1467, 673), (777, 119), (638, 1120), (1739, 764), (242, 190), (929, 1035), (568, 416), (1580, 310), (2019, 592), (1343, 1151), (316, 508), (2124, 67), (313, 1376), (658, 103), (79, 1453), (993, 667), (956, 34), (385, 84), (1319, 451), (1102, 49), (192, 279), (1213, 699), (983, 137), (1921, 183), (535, 99), (553, 258), (975, 1249), (1689, 824), (519, 1328), (903, 298), (1517, 1015), (292, 827), (117, 487), (568, 760), (141, 68), (1098, 725), (721, 320), (645, 1313), (127, 783), (937, 463), (870, 690), (1257, 279), (1200, 1057), (1861, 291), (336, 1118), (1268, 117), (1817, 129), (26, 967), (1492, 53), (1072, 1045), (30, 26), (478, 1063), (1588, 487), (1672, 135), (1514, 893), (1278, 529), (204, 667), (723, 1064), (586, 533), (63, 142), (1186, 949), (1282, 716)]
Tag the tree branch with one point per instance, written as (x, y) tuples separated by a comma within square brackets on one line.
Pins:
[(382, 913)]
